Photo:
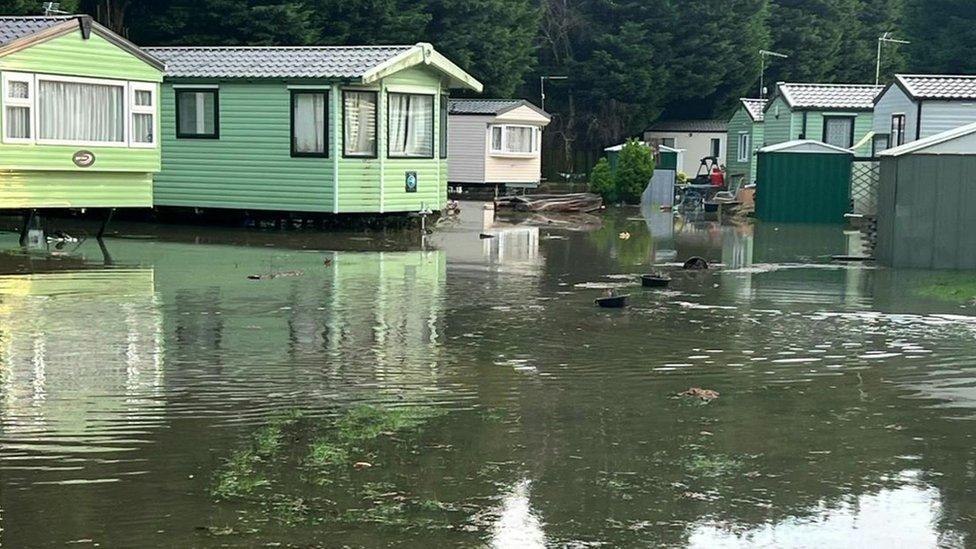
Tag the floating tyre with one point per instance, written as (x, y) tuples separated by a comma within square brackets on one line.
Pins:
[(613, 302), (696, 264), (655, 281)]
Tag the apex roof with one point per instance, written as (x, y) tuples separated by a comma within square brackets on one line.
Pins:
[(938, 86), (693, 126), (365, 63), (19, 32), (755, 107), (829, 96), (13, 28), (493, 107)]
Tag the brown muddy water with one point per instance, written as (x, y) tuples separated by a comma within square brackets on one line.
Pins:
[(375, 394)]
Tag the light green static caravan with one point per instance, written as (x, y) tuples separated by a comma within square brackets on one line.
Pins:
[(79, 117), (841, 115), (745, 138), (306, 129)]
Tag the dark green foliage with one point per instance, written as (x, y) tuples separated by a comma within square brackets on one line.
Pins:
[(602, 182), (943, 35), (635, 166)]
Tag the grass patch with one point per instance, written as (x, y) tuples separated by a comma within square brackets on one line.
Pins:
[(956, 288)]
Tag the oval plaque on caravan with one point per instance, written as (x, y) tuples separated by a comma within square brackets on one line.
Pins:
[(83, 159)]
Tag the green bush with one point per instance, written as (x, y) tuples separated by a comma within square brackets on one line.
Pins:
[(635, 166), (601, 181), (634, 171)]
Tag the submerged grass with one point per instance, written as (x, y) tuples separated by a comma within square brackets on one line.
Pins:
[(262, 470), (957, 287)]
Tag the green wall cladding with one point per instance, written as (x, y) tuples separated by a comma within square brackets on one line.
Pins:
[(739, 123), (44, 176), (250, 166), (803, 187), (789, 126), (53, 189), (73, 55)]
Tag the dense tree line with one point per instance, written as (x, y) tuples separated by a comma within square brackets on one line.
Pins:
[(629, 62)]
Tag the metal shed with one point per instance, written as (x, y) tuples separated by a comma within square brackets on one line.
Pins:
[(803, 181), (927, 203)]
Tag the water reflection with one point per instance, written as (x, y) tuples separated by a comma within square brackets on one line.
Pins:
[(905, 517), (550, 422), (65, 386)]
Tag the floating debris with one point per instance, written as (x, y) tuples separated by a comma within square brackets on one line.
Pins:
[(272, 276), (695, 264), (706, 395), (624, 235), (360, 465)]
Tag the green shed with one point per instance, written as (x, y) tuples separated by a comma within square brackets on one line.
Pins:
[(80, 116), (358, 129), (804, 181)]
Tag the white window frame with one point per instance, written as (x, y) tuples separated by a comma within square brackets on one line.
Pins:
[(503, 152), (744, 152), (126, 121), (26, 78), (134, 109)]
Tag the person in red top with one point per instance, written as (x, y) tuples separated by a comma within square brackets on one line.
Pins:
[(717, 177)]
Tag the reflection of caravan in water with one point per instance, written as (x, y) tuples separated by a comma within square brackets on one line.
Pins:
[(60, 385)]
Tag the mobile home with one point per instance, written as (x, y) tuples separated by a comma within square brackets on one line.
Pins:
[(836, 114), (80, 116), (697, 139), (337, 130), (495, 142), (914, 107), (745, 138)]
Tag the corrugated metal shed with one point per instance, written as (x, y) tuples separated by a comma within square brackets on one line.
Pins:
[(927, 203), (803, 181)]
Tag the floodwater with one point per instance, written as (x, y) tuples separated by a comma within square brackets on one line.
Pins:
[(367, 393)]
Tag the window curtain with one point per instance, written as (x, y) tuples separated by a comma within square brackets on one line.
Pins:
[(310, 123), (81, 112), (360, 123), (411, 125), (496, 138), (839, 132), (399, 123), (18, 122), (197, 111), (142, 128), (519, 140)]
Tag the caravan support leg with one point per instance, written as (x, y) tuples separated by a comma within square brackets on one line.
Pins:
[(105, 222), (25, 229)]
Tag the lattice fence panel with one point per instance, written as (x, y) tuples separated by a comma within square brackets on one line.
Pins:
[(865, 180)]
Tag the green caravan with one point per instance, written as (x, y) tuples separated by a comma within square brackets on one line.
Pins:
[(359, 129), (80, 116)]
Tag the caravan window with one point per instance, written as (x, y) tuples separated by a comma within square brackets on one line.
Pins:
[(359, 123), (410, 125), (18, 97), (897, 130), (744, 145), (514, 140), (197, 113), (839, 131), (309, 123)]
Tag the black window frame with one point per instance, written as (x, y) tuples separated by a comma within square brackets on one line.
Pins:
[(325, 130), (901, 130), (443, 117), (850, 136), (180, 134), (376, 124), (433, 136), (716, 147)]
